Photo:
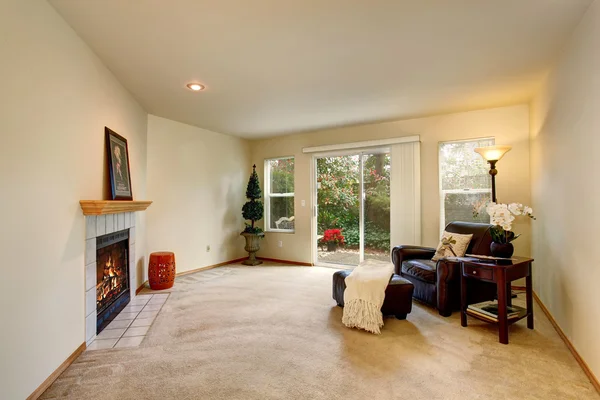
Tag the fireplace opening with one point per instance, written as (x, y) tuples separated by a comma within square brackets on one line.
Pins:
[(112, 277)]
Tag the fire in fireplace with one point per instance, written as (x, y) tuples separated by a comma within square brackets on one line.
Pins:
[(112, 276), (113, 280)]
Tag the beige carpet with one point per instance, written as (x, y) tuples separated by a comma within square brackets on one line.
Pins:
[(274, 332)]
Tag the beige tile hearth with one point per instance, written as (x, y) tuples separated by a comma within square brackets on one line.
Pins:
[(136, 331), (126, 315), (142, 322), (111, 333), (130, 327), (101, 344), (148, 314), (147, 290), (159, 300), (131, 308), (152, 307), (133, 341), (124, 323)]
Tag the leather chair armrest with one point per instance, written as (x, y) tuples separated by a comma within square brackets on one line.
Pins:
[(403, 253), (447, 283), (447, 271)]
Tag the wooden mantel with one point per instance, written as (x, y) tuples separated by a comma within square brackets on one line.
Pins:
[(102, 207)]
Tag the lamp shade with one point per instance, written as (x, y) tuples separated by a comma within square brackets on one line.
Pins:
[(493, 153)]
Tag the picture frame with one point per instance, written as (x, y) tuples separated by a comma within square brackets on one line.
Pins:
[(118, 165)]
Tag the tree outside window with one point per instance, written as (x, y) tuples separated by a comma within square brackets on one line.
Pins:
[(279, 194)]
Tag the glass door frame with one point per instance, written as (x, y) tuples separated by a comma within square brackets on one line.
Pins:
[(361, 152)]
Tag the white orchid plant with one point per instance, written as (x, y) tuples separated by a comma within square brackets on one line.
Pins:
[(502, 217)]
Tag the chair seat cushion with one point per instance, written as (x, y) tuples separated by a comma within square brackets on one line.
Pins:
[(420, 269)]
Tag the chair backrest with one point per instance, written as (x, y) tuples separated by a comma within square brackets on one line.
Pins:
[(482, 239)]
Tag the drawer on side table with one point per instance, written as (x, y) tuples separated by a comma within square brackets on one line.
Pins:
[(479, 272)]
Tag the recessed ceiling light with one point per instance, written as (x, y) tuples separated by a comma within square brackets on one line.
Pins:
[(196, 87)]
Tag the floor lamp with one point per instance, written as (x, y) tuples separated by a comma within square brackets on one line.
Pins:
[(493, 154)]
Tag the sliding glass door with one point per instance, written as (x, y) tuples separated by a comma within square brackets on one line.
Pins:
[(376, 192), (338, 209), (352, 212)]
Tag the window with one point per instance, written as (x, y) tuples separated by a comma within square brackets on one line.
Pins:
[(279, 194), (464, 181)]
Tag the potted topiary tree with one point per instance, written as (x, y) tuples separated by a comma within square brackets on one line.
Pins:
[(253, 211)]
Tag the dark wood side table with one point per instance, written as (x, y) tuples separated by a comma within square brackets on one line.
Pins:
[(501, 275)]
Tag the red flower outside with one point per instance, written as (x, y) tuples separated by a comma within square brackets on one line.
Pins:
[(333, 236)]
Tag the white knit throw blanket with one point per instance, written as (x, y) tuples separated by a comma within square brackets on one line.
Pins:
[(364, 295)]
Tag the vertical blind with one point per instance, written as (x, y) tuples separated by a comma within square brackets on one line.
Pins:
[(405, 188)]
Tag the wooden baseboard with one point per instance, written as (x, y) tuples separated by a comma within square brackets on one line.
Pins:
[(46, 384), (138, 290), (193, 271), (304, 264), (569, 345), (237, 260)]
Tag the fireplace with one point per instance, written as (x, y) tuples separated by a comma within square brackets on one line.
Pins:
[(112, 276)]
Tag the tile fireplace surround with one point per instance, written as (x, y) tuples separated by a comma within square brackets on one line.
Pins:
[(95, 226)]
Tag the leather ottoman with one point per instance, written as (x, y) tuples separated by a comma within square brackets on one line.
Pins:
[(398, 294)]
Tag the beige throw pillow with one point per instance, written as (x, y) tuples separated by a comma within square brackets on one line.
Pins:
[(452, 245)]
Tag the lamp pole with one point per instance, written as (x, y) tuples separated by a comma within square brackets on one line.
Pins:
[(493, 154), (493, 173)]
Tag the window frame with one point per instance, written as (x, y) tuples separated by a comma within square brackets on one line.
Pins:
[(269, 195), (443, 192)]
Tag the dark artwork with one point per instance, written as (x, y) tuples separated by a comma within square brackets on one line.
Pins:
[(118, 162)]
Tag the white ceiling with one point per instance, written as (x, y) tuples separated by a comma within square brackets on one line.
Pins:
[(275, 67)]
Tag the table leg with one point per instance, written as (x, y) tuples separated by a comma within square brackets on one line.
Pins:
[(529, 298), (463, 299), (509, 294), (502, 315)]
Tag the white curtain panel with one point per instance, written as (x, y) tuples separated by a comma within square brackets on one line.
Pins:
[(405, 188)]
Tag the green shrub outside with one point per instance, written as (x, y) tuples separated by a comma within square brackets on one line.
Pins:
[(375, 237), (338, 198)]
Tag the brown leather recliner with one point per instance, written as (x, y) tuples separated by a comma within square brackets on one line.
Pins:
[(438, 284)]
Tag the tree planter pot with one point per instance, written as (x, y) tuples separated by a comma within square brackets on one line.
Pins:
[(504, 250), (252, 246), (332, 246)]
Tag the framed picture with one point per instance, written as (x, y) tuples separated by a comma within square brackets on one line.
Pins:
[(118, 165)]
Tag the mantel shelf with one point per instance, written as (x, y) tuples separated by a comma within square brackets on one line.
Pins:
[(102, 207)]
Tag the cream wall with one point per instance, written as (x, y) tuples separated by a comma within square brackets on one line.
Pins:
[(509, 125), (197, 180), (55, 99), (565, 136)]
